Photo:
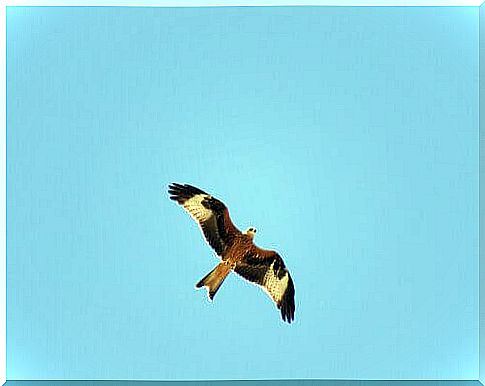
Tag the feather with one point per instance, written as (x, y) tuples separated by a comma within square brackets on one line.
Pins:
[(268, 270), (210, 213), (259, 266)]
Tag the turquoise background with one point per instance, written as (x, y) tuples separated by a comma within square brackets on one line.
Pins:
[(347, 136)]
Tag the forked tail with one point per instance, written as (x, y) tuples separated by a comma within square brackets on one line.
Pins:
[(214, 279)]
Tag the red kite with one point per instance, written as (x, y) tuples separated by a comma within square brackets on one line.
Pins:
[(236, 250)]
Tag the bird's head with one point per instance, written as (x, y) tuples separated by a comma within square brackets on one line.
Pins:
[(251, 231)]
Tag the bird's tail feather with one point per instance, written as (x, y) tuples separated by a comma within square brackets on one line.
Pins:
[(214, 279)]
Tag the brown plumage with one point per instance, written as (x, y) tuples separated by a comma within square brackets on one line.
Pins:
[(236, 250)]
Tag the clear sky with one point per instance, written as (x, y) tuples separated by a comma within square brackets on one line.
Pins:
[(347, 136)]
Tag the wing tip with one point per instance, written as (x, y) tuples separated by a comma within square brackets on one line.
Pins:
[(288, 315), (287, 305), (182, 192)]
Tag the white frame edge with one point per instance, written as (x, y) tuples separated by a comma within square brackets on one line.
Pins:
[(3, 196), (233, 3), (154, 3)]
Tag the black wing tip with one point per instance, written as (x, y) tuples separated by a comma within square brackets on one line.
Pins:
[(183, 192), (288, 314), (287, 304)]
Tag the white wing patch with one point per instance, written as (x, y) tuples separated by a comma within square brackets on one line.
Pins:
[(278, 285), (274, 286), (195, 208), (204, 209)]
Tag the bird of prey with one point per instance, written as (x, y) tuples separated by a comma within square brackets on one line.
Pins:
[(236, 250)]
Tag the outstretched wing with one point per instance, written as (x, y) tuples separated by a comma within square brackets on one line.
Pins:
[(267, 269), (210, 213)]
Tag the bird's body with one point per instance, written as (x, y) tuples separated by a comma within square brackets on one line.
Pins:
[(236, 250), (241, 245)]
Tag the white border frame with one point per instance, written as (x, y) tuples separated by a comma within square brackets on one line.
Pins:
[(3, 218), (139, 3), (250, 3)]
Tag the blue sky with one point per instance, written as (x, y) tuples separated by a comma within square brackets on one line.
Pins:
[(347, 136)]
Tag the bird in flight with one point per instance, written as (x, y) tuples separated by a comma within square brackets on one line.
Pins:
[(236, 250)]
